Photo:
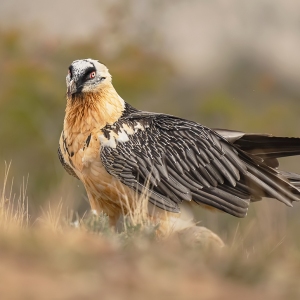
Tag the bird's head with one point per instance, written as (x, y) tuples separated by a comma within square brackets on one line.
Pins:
[(86, 75)]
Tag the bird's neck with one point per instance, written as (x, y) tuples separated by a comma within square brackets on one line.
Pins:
[(88, 111)]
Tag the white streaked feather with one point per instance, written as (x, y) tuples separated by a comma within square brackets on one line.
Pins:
[(122, 136), (138, 126), (107, 142)]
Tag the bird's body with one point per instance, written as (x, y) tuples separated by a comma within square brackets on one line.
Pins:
[(118, 152)]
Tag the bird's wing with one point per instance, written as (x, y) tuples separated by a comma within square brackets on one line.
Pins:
[(176, 160)]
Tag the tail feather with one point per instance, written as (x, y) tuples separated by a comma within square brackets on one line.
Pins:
[(269, 146), (262, 145)]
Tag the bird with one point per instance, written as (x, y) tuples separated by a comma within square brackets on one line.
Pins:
[(120, 152)]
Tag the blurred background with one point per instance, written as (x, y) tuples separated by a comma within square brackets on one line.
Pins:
[(231, 64)]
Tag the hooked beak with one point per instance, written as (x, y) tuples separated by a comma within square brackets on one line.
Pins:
[(71, 88)]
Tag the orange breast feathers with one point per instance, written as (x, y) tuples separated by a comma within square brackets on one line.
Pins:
[(85, 116)]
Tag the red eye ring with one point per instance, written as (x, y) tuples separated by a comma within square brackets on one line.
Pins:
[(92, 75)]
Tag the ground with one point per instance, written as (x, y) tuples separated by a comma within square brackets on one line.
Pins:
[(62, 256)]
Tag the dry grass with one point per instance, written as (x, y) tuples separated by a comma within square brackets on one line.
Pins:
[(13, 211), (55, 257)]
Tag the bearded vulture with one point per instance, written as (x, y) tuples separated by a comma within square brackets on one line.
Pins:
[(120, 152)]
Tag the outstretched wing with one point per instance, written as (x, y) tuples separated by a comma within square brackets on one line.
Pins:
[(178, 160)]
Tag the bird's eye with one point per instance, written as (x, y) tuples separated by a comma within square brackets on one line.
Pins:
[(92, 75), (69, 73)]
